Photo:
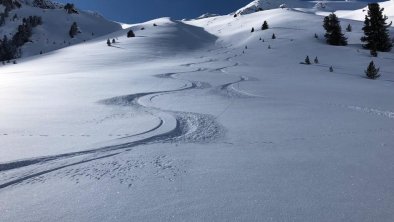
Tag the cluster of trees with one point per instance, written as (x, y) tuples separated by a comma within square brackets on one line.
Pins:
[(376, 34), (9, 5), (43, 4), (308, 61), (10, 47), (263, 27), (70, 8)]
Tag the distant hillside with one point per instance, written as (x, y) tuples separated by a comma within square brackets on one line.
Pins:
[(54, 32)]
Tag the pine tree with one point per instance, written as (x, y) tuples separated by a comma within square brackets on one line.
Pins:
[(273, 36), (113, 41), (73, 30), (130, 34), (108, 42), (331, 69), (349, 28), (316, 37), (252, 30), (372, 72), (316, 60), (265, 26), (333, 29), (376, 33), (269, 46), (307, 61)]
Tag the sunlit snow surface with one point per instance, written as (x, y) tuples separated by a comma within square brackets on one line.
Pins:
[(183, 123)]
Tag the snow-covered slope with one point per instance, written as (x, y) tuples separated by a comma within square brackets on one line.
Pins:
[(54, 32), (201, 120), (360, 14), (258, 5)]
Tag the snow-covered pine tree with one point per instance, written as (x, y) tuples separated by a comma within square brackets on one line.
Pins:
[(372, 72), (108, 42), (273, 36), (333, 29), (316, 60), (376, 33)]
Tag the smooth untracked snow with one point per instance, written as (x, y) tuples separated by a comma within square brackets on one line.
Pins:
[(200, 121)]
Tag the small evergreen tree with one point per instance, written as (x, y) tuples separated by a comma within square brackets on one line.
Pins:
[(113, 41), (331, 69), (252, 30), (265, 26), (316, 37), (316, 60), (73, 30), (376, 33), (273, 36), (109, 42), (130, 34), (269, 46), (333, 29), (372, 72), (307, 60), (349, 28)]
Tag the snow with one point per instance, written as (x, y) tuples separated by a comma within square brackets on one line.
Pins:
[(54, 32), (359, 14), (183, 123), (270, 4)]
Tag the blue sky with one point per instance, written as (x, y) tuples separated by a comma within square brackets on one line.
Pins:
[(142, 10)]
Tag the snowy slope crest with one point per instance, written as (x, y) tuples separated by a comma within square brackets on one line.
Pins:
[(360, 13), (258, 5), (54, 32)]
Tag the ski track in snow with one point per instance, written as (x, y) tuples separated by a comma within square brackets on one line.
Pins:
[(189, 128)]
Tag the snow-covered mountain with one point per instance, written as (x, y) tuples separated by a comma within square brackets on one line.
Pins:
[(200, 120), (56, 22), (258, 5)]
